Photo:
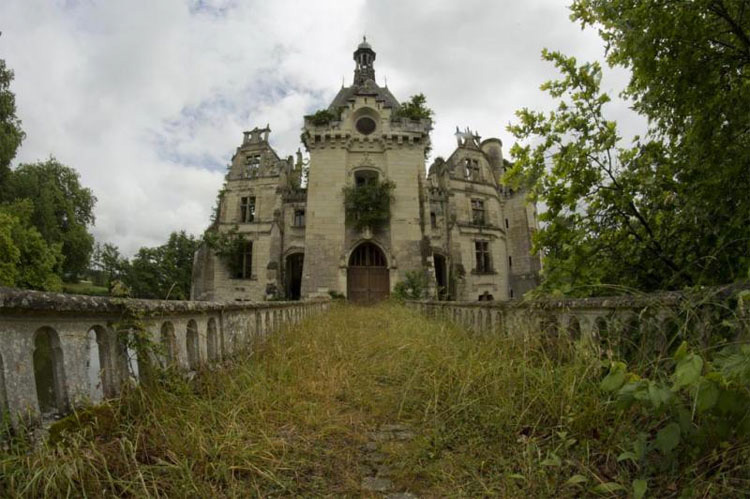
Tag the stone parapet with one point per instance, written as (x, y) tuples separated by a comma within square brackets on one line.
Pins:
[(60, 351), (593, 317)]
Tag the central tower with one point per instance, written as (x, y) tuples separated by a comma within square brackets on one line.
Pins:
[(361, 138)]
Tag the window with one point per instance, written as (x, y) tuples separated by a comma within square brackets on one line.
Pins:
[(244, 269), (506, 223), (510, 261), (483, 257), (299, 218), (477, 211), (247, 209), (433, 220), (472, 170), (365, 177), (366, 125)]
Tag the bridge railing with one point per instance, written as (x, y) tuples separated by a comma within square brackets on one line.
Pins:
[(60, 351), (656, 314)]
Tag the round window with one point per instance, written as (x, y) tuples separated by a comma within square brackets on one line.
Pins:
[(366, 125)]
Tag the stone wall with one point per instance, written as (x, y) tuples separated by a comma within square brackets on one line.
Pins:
[(658, 314), (61, 351)]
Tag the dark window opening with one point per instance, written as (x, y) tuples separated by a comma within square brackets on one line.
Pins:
[(247, 209), (367, 255), (244, 269), (299, 218), (365, 177), (433, 220), (507, 225), (482, 252), (366, 125), (510, 261), (472, 170), (477, 211)]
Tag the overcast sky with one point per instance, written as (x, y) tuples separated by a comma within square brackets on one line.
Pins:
[(148, 99)]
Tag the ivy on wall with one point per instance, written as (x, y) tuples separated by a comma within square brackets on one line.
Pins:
[(229, 246), (369, 205)]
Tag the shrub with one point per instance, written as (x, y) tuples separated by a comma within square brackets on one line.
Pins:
[(369, 205), (413, 287)]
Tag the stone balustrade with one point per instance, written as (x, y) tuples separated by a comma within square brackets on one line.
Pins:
[(594, 318), (61, 351)]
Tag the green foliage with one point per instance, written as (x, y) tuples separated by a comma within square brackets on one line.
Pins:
[(11, 134), (163, 272), (493, 416), (414, 109), (229, 246), (704, 408), (671, 209), (689, 76), (107, 260), (63, 209), (414, 286), (26, 260), (369, 205), (324, 116)]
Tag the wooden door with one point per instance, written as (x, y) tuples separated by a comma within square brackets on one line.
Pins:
[(367, 277)]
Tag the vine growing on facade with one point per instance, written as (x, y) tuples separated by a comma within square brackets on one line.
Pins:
[(369, 205)]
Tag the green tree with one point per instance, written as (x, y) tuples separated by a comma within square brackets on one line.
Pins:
[(107, 261), (415, 108), (690, 76), (163, 272), (609, 216), (26, 260), (63, 209), (11, 134)]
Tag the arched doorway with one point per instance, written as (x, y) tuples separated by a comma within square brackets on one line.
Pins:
[(294, 275), (367, 277)]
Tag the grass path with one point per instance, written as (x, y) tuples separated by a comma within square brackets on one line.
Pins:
[(298, 417)]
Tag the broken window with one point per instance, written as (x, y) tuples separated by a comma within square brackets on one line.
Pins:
[(299, 218), (244, 268), (472, 170), (433, 220), (482, 251), (477, 212), (247, 209)]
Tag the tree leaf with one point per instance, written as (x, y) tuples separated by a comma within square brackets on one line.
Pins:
[(576, 479), (688, 371), (639, 488), (608, 488), (706, 395), (615, 379), (667, 438)]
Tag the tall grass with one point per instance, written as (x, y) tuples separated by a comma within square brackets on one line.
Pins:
[(493, 416)]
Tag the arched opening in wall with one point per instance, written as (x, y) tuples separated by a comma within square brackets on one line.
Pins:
[(193, 348), (294, 264), (367, 279), (574, 328), (49, 372), (212, 341), (3, 391), (630, 338), (441, 276), (98, 364), (169, 344)]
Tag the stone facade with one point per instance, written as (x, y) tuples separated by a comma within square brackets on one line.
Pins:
[(458, 224)]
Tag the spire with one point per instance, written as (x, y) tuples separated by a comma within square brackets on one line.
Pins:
[(364, 56)]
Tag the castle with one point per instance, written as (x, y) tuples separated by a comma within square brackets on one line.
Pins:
[(458, 225)]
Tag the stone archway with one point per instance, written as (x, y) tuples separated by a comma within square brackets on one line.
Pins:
[(367, 279)]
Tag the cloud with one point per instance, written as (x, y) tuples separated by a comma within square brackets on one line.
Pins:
[(148, 100)]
